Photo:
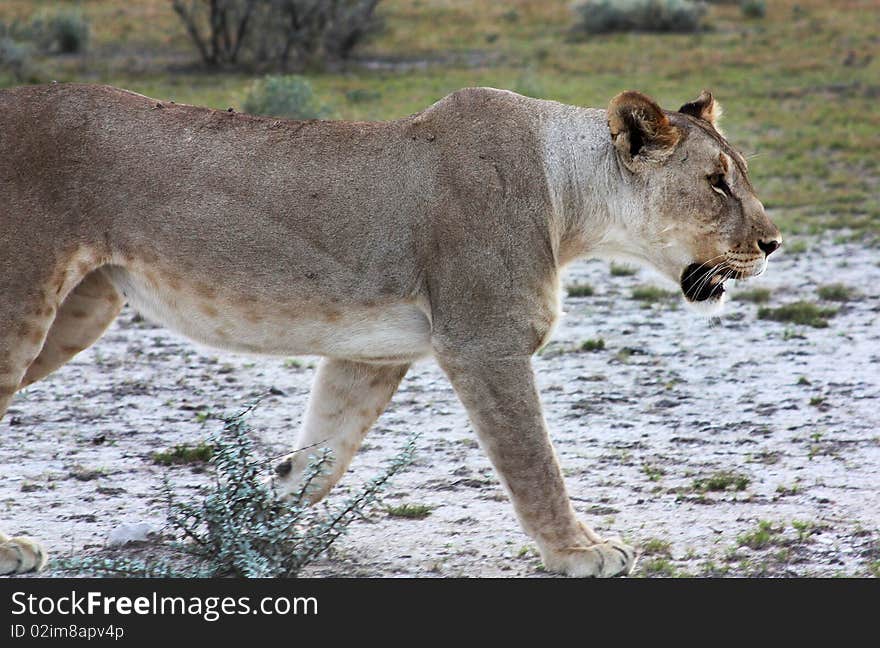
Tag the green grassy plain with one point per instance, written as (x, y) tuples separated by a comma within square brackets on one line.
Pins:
[(800, 86)]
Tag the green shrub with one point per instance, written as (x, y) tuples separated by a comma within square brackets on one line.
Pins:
[(16, 30), (237, 526), (753, 8), (284, 96), (14, 58), (62, 32), (16, 63), (603, 16)]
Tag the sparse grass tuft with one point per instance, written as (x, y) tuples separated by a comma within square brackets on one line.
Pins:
[(184, 454), (712, 569), (799, 312), (651, 294), (654, 473), (656, 547), (765, 535), (755, 295), (593, 345), (623, 270), (660, 566), (805, 529), (784, 490), (836, 292), (580, 290), (527, 551), (411, 511), (722, 481), (797, 246)]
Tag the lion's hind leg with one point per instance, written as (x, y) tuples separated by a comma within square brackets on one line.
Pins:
[(26, 312), (24, 321), (20, 555), (37, 335), (85, 314)]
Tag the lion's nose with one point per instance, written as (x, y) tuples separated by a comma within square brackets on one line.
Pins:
[(768, 247)]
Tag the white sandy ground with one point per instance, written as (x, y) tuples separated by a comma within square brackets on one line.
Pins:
[(633, 433)]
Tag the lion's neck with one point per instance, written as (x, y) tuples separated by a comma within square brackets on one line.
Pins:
[(591, 195)]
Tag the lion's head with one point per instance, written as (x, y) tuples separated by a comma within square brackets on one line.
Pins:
[(702, 222)]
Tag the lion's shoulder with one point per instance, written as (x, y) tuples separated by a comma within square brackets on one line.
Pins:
[(479, 101)]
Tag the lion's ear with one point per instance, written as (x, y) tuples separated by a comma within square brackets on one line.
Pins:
[(639, 129), (703, 107)]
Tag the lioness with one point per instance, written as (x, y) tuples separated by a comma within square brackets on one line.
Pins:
[(370, 244)]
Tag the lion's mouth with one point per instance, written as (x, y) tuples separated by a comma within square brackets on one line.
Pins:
[(700, 283)]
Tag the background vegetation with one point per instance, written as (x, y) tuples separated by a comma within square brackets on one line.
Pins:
[(798, 78)]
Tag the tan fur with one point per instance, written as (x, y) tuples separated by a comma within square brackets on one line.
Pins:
[(632, 112), (84, 315), (371, 244), (704, 107), (19, 555)]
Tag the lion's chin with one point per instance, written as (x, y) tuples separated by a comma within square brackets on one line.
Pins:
[(703, 288), (711, 307), (701, 284)]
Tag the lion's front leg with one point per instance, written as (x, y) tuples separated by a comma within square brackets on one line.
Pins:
[(505, 408)]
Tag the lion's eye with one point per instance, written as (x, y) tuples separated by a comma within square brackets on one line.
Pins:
[(718, 183)]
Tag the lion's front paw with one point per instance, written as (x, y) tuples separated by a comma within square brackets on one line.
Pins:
[(286, 478), (20, 555), (601, 560), (294, 478)]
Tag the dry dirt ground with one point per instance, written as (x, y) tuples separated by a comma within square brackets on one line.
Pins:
[(641, 427)]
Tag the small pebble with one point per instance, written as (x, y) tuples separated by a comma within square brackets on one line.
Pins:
[(130, 532)]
